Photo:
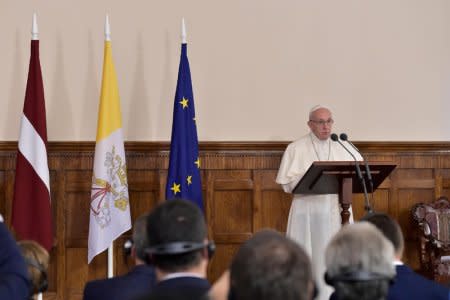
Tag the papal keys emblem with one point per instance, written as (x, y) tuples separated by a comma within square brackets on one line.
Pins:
[(110, 191)]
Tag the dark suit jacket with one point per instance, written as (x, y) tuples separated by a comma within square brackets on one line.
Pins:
[(14, 282), (179, 288), (140, 280), (410, 285)]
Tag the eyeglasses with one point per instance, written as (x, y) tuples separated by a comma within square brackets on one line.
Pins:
[(323, 122)]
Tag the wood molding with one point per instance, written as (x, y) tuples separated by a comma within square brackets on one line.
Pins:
[(407, 146), (143, 146)]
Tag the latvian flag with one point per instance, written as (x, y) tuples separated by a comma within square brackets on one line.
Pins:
[(31, 213)]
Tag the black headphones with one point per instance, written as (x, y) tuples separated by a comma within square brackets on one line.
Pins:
[(175, 248), (127, 247), (43, 282), (355, 276)]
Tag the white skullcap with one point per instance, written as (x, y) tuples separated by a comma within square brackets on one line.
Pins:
[(316, 108)]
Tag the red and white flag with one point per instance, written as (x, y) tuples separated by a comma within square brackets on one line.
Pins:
[(31, 212)]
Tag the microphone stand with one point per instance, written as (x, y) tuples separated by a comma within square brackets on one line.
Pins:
[(367, 206), (344, 137)]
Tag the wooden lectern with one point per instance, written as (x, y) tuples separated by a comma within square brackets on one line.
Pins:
[(337, 177)]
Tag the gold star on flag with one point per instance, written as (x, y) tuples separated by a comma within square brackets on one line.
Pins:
[(189, 180), (176, 188), (184, 102), (197, 162)]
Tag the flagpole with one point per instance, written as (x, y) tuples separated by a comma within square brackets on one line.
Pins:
[(34, 28), (110, 248), (183, 31), (35, 36), (110, 261)]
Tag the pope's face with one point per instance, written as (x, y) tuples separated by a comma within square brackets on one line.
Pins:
[(321, 123)]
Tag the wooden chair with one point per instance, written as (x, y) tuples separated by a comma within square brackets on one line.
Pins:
[(433, 220)]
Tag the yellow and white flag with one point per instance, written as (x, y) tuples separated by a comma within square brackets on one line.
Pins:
[(109, 209)]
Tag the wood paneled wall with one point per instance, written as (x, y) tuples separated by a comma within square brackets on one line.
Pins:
[(239, 190)]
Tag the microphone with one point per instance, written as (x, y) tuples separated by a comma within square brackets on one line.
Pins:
[(367, 207), (344, 137)]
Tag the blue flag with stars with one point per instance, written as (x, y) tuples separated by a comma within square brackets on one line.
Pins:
[(183, 179)]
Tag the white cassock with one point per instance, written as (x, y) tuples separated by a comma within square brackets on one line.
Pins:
[(313, 219)]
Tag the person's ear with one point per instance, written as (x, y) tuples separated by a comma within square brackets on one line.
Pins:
[(205, 253), (133, 252), (313, 291)]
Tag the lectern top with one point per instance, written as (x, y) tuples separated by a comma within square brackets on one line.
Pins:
[(325, 177)]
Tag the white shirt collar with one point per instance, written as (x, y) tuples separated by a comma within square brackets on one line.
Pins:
[(180, 274), (397, 263)]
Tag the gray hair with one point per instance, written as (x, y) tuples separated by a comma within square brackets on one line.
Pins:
[(360, 246)]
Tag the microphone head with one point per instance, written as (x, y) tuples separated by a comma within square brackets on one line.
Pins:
[(343, 136), (334, 137)]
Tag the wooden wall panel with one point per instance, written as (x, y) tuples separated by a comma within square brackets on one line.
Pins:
[(76, 218), (232, 212), (275, 210), (240, 196), (275, 204), (221, 260), (77, 272)]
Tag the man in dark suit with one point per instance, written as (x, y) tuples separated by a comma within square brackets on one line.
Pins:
[(407, 284), (270, 266), (359, 263), (141, 279), (14, 282), (179, 250)]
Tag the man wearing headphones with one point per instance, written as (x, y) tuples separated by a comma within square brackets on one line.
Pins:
[(140, 280), (179, 250), (359, 263)]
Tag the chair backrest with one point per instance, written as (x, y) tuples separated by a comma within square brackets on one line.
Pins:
[(434, 218)]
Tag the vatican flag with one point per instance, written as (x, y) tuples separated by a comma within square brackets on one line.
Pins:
[(109, 209)]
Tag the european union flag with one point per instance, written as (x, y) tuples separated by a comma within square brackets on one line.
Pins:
[(183, 179)]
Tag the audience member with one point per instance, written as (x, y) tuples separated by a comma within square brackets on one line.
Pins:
[(36, 259), (14, 282), (140, 280), (407, 284), (270, 266), (359, 263), (179, 250)]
